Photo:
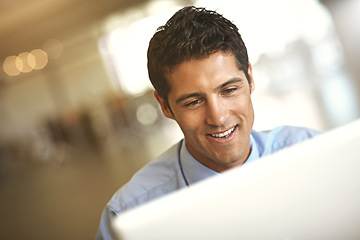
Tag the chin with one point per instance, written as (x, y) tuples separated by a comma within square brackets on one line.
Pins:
[(231, 161)]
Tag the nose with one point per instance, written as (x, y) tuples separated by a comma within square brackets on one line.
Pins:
[(216, 112)]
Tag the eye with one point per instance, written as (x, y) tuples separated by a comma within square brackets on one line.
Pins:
[(193, 103), (229, 91)]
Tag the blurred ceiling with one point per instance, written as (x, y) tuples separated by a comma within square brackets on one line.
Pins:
[(27, 24)]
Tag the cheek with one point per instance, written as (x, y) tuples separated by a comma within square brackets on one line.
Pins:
[(190, 122), (242, 106)]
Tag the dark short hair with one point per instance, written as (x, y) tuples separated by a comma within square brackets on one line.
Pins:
[(192, 33)]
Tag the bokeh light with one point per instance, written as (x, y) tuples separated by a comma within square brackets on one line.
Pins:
[(41, 58), (147, 114), (31, 60), (19, 63), (10, 67), (25, 64)]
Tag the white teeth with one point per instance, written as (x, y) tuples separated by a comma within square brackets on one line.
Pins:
[(223, 134)]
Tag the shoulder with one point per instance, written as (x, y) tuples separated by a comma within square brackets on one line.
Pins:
[(155, 179), (281, 137)]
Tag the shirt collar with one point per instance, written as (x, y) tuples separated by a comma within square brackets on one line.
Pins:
[(254, 152), (195, 171)]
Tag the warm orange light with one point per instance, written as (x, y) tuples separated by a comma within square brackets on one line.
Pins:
[(31, 60), (41, 58), (19, 64), (10, 66), (25, 64)]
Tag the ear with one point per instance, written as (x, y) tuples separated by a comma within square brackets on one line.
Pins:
[(164, 107), (251, 79)]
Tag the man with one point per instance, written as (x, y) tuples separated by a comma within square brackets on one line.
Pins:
[(199, 67)]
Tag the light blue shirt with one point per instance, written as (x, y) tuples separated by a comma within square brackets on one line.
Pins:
[(177, 168)]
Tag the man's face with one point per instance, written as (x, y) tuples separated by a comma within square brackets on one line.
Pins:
[(210, 99)]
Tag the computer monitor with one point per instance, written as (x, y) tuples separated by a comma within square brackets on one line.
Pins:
[(307, 191)]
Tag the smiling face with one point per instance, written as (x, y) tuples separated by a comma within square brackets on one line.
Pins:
[(210, 99)]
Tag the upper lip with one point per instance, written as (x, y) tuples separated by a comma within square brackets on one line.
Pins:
[(223, 130)]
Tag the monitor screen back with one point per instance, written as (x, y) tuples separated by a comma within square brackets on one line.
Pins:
[(307, 191)]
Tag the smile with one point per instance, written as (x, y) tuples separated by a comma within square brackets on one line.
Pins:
[(223, 134)]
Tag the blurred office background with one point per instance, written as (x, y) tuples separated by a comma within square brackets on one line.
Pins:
[(77, 115)]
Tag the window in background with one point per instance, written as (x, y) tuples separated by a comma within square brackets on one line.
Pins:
[(125, 45)]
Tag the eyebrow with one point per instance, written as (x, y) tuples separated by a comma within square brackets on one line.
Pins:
[(196, 94), (231, 81), (186, 96)]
